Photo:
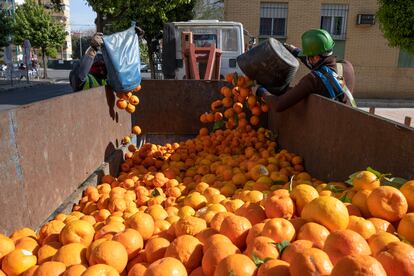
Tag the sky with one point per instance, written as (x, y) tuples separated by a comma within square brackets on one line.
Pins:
[(82, 16)]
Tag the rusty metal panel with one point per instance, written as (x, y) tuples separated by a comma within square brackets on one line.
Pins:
[(174, 106), (336, 140), (48, 148)]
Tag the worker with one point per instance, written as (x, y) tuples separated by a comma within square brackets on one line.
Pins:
[(90, 72), (329, 78)]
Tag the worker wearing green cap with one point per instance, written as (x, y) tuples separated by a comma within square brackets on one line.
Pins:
[(328, 77)]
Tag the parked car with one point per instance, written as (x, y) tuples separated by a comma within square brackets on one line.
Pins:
[(144, 67)]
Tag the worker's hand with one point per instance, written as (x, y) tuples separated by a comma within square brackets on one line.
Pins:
[(254, 89), (97, 41), (140, 32), (289, 47)]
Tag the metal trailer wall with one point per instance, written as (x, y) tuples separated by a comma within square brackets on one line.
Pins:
[(49, 148)]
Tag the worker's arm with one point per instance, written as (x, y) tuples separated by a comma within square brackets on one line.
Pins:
[(77, 76), (306, 86)]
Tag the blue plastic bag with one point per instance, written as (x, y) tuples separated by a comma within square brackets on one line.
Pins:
[(122, 60)]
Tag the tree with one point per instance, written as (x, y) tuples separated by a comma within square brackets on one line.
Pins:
[(150, 15), (209, 9), (5, 28), (33, 22), (396, 21)]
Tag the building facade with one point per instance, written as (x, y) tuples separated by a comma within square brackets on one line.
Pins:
[(381, 71)]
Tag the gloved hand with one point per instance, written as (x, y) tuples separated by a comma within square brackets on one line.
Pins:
[(97, 41), (289, 47)]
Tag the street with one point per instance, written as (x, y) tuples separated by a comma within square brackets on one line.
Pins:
[(25, 95)]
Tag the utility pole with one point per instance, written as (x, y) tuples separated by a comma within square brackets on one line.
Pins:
[(80, 44)]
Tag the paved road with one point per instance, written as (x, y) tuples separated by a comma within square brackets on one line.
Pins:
[(21, 96)]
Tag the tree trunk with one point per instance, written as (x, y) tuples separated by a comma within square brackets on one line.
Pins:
[(44, 58), (151, 61)]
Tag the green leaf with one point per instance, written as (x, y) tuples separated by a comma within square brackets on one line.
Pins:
[(377, 173), (395, 182), (335, 189), (270, 135), (278, 182), (155, 193), (236, 119), (282, 245), (402, 238), (258, 261), (345, 198), (235, 78), (351, 179), (218, 125), (231, 273)]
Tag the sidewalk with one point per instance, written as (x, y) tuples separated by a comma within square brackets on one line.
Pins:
[(5, 85)]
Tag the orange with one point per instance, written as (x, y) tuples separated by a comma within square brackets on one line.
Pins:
[(345, 242), (27, 243), (50, 269), (75, 270), (328, 211), (311, 261), (77, 231), (274, 267), (388, 203), (236, 264), (100, 270), (362, 226), (30, 272), (358, 265), (157, 212), (138, 269), (132, 240), (155, 249), (236, 229), (47, 251), (279, 229), (195, 200), (353, 210), (295, 247), (365, 180), (143, 223), (315, 233), (205, 234), (406, 227), (382, 225), (360, 201), (134, 100), (188, 250), (166, 266), (71, 254), (397, 258), (378, 241), (262, 247), (214, 240), (252, 211), (136, 130), (6, 246), (130, 108), (408, 191), (254, 232), (23, 232), (53, 227), (279, 205), (302, 194), (111, 253), (18, 261), (214, 254), (121, 104), (189, 225), (297, 223)]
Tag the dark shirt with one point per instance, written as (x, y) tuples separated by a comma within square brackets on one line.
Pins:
[(309, 84), (77, 76)]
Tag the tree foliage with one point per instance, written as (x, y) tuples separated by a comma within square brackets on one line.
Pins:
[(5, 28), (34, 23), (150, 15), (209, 9), (396, 21)]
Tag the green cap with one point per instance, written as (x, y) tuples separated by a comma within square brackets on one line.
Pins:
[(316, 42)]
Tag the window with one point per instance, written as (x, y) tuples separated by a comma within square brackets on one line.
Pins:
[(273, 19), (334, 19), (229, 39), (406, 59)]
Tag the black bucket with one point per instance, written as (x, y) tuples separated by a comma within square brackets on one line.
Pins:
[(270, 64)]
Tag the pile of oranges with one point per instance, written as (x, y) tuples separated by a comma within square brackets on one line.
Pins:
[(224, 203)]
